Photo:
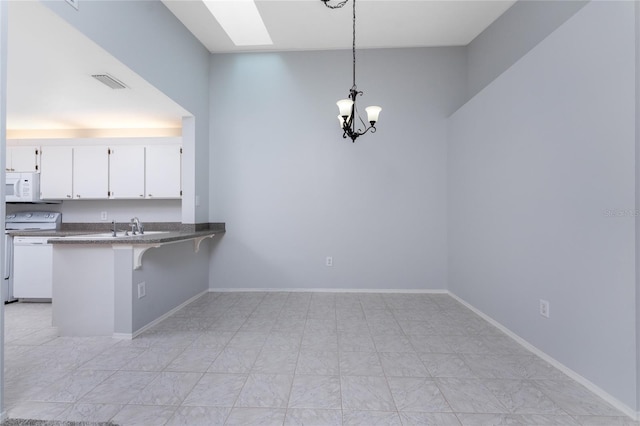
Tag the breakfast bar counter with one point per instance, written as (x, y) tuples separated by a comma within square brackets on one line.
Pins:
[(120, 286)]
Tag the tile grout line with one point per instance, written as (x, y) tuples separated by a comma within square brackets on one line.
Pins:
[(250, 368)]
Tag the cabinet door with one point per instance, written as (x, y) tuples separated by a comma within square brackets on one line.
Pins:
[(23, 158), (163, 171), (90, 172), (56, 173), (126, 172)]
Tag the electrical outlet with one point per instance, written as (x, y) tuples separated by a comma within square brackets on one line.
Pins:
[(103, 216), (142, 290), (329, 261), (544, 308)]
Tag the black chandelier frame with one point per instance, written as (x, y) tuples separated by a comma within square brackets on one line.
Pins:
[(349, 121)]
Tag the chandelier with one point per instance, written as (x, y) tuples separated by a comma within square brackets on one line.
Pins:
[(349, 116)]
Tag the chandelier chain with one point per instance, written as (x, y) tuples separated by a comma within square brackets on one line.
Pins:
[(353, 47)]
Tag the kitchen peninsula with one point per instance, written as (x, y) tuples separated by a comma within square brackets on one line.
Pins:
[(106, 286)]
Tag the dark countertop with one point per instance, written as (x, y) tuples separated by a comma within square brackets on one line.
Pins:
[(58, 237)]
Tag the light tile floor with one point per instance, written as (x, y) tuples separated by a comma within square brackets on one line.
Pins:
[(293, 358)]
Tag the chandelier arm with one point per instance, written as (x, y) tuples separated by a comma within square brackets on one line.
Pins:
[(337, 6), (354, 134), (363, 122)]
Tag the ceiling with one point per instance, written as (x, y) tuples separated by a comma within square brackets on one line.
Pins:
[(309, 25), (49, 83), (49, 76)]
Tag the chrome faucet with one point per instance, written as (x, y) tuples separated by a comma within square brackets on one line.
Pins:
[(137, 226), (113, 229)]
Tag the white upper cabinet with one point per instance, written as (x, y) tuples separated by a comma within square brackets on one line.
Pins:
[(90, 172), (117, 169), (22, 158), (163, 171), (126, 172), (56, 173)]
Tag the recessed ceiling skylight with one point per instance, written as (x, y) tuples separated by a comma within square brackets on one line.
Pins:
[(241, 21)]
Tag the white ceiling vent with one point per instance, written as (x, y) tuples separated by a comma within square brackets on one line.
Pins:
[(109, 81)]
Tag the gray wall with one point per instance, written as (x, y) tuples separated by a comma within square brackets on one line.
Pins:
[(292, 191), (173, 274), (149, 39), (542, 197), (512, 35)]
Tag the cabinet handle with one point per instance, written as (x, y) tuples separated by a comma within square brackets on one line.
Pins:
[(77, 196), (68, 196), (142, 195), (150, 195)]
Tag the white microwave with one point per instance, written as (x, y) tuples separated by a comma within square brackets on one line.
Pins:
[(22, 187)]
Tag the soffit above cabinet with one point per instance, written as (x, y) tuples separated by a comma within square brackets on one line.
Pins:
[(50, 86)]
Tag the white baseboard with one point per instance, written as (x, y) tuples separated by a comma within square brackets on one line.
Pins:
[(129, 336), (328, 290), (557, 364), (122, 336)]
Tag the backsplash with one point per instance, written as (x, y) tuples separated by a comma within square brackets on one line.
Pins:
[(148, 226), (87, 211)]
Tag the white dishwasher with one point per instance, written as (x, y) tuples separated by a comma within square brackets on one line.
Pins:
[(32, 268)]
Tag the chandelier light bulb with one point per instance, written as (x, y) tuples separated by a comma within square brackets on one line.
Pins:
[(373, 112), (344, 105)]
